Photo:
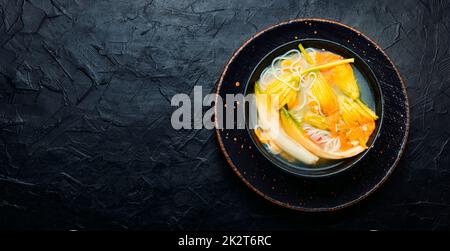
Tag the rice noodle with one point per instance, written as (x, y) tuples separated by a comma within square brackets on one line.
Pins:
[(275, 68), (304, 84), (322, 137)]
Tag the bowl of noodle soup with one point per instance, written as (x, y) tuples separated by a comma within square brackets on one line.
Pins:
[(332, 155)]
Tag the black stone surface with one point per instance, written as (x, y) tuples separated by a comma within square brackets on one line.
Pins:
[(86, 142)]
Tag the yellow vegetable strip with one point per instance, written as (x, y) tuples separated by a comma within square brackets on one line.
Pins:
[(328, 65), (305, 54), (367, 109)]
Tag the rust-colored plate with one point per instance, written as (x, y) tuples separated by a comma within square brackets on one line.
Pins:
[(337, 191)]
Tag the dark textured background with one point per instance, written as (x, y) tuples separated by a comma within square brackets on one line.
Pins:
[(86, 142)]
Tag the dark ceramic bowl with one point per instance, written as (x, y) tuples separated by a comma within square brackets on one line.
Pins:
[(268, 176), (370, 93)]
